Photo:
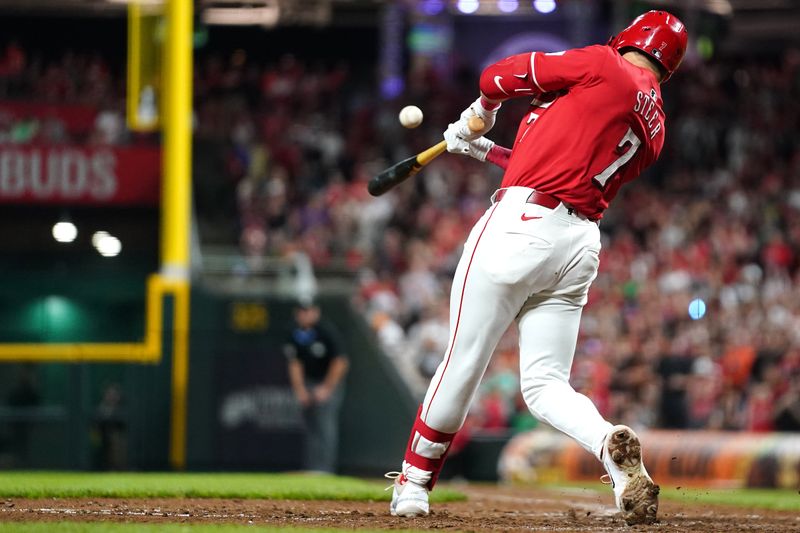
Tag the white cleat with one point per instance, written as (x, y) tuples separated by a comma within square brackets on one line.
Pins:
[(408, 498), (634, 491)]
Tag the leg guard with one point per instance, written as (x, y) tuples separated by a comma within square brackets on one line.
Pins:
[(426, 452)]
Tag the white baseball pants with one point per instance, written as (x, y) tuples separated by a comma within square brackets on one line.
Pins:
[(526, 262)]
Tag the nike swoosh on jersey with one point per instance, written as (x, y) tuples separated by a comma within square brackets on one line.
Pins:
[(497, 82), (524, 218)]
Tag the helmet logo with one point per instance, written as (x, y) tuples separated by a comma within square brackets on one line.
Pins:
[(658, 34)]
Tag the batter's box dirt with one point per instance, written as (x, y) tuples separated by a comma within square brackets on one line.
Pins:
[(488, 509)]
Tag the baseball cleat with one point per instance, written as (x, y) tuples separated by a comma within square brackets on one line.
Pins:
[(634, 491), (408, 498)]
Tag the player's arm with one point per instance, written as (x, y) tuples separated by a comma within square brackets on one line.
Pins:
[(482, 149), (499, 155), (535, 73), (528, 74), (508, 78)]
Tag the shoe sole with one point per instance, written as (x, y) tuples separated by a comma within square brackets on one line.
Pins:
[(408, 513), (639, 500)]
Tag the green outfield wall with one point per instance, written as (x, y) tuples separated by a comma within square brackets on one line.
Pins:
[(241, 416), (242, 412)]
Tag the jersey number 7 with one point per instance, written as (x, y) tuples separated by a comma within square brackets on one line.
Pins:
[(628, 138)]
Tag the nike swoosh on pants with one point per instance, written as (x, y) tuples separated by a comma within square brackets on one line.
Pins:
[(523, 217)]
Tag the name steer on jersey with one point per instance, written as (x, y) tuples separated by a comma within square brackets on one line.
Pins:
[(595, 122)]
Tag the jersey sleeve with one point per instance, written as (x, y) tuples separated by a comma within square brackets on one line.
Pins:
[(555, 71), (534, 73), (508, 78)]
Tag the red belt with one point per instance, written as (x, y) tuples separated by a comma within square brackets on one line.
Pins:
[(545, 200), (537, 197)]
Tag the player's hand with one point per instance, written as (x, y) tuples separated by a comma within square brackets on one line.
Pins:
[(477, 148), (477, 108)]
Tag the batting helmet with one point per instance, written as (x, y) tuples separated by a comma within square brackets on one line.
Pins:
[(658, 34)]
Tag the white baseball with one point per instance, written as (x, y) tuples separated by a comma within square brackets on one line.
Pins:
[(411, 116)]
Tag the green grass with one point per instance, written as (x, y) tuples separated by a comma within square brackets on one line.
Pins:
[(778, 499), (198, 485)]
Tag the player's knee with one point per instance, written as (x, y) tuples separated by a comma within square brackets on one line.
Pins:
[(532, 392), (535, 390)]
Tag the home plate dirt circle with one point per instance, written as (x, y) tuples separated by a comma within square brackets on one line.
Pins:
[(489, 508)]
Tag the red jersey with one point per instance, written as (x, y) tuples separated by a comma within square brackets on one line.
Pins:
[(597, 122)]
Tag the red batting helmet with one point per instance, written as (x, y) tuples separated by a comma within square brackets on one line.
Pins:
[(658, 34)]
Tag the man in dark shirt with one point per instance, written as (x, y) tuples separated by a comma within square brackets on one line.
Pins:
[(317, 367)]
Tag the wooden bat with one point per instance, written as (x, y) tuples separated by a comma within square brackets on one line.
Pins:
[(400, 172)]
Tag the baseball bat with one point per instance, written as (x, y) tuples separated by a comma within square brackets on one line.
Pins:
[(400, 172)]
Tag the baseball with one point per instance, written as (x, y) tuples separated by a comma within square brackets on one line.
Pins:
[(411, 116)]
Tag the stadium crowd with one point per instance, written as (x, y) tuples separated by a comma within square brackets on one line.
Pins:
[(75, 98), (717, 219)]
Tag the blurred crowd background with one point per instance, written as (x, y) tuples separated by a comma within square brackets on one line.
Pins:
[(717, 219)]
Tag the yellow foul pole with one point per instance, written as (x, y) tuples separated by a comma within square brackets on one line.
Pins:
[(175, 206)]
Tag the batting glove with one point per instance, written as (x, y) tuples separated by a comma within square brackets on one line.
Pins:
[(477, 108), (477, 148)]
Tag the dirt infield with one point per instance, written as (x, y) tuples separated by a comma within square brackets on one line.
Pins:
[(488, 509)]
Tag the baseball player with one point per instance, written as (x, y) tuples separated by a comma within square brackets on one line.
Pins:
[(595, 122)]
